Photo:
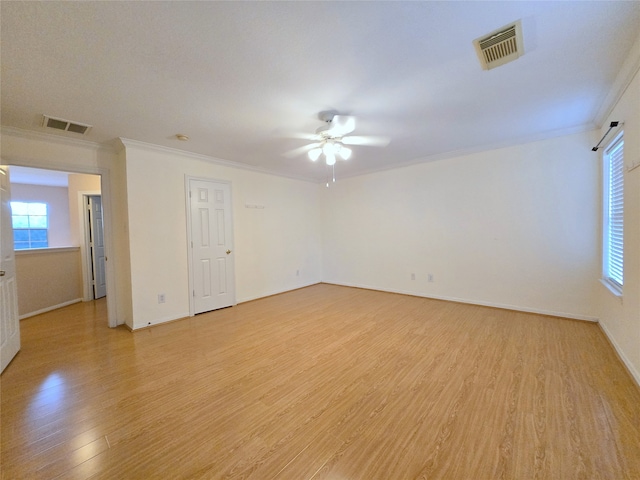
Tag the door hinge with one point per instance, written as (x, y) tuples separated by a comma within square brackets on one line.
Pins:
[(194, 293), (192, 244), (189, 193)]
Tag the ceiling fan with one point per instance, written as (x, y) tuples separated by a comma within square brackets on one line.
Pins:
[(331, 139)]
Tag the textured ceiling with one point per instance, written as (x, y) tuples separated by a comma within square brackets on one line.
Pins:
[(242, 78)]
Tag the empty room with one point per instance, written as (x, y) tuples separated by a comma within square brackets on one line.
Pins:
[(320, 240)]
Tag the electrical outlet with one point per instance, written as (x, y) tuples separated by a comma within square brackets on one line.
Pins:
[(413, 276), (297, 273), (161, 298), (430, 277)]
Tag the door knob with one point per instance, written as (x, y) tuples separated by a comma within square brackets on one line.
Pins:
[(2, 273), (228, 252)]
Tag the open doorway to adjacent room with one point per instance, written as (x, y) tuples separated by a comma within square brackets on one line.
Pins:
[(67, 264)]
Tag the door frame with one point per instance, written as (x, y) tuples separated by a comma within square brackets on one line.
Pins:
[(85, 249), (107, 212), (187, 181)]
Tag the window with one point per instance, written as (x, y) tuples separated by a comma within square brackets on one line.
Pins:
[(613, 222), (30, 225)]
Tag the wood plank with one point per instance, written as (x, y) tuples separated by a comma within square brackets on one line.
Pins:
[(322, 382)]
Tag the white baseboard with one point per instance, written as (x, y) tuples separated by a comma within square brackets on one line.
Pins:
[(173, 318), (48, 309), (551, 313), (627, 363), (275, 292), (160, 321)]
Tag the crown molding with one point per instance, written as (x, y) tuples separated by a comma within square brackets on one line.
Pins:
[(629, 69), (562, 132), (127, 142), (118, 144), (52, 138), (121, 143)]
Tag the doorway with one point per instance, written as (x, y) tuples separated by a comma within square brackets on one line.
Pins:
[(92, 181)]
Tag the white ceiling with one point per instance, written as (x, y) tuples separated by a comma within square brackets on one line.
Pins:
[(240, 77)]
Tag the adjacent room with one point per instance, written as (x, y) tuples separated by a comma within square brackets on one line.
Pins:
[(54, 239), (320, 240)]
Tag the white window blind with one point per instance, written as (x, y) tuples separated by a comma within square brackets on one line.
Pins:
[(613, 250)]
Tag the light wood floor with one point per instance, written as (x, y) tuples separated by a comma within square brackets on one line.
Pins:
[(325, 382)]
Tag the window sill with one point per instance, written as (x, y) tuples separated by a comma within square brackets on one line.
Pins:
[(615, 290), (27, 251)]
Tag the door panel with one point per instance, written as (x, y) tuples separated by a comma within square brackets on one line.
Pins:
[(222, 276), (97, 247), (211, 245), (205, 263), (9, 323)]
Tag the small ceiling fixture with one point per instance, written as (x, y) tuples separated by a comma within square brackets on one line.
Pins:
[(501, 46), (182, 137), (66, 125)]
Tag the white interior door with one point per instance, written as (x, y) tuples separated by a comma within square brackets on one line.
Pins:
[(211, 234), (96, 239), (9, 323)]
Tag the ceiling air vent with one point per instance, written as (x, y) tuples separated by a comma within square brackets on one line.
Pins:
[(66, 125), (500, 46)]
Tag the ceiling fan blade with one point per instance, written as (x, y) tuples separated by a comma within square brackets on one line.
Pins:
[(300, 150), (303, 136), (342, 125), (369, 140)]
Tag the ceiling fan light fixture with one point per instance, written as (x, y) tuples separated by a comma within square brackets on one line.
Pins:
[(345, 153), (331, 140), (315, 154), (331, 159), (329, 148)]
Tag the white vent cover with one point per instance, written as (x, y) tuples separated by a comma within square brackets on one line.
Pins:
[(500, 46), (66, 125)]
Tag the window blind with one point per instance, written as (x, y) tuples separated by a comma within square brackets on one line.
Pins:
[(614, 213)]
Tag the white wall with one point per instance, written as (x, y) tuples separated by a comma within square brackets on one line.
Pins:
[(515, 227), (271, 244), (78, 184), (120, 225), (57, 200), (47, 279), (620, 317)]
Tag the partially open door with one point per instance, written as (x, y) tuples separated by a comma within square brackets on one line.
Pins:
[(96, 245), (9, 323)]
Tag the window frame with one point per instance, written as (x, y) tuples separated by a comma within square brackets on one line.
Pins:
[(29, 229), (613, 199)]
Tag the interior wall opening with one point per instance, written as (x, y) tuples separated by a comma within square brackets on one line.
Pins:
[(69, 267)]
